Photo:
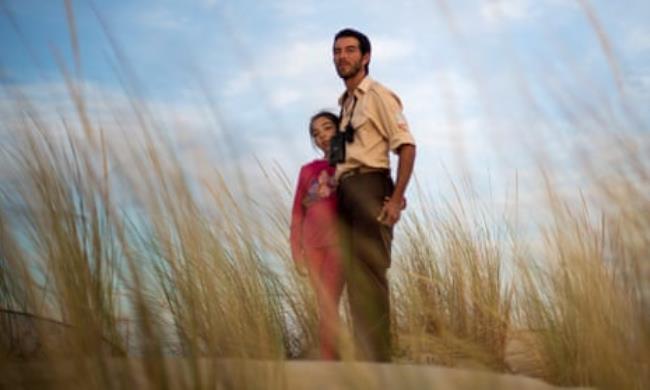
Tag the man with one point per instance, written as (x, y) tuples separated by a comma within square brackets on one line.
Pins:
[(369, 203)]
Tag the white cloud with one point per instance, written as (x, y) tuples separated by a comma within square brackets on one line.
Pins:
[(637, 92), (208, 3), (106, 107), (199, 147), (164, 18), (285, 96), (427, 92), (240, 83), (299, 59), (301, 73), (185, 122), (495, 11), (439, 106), (297, 64), (637, 40), (294, 9), (391, 49), (305, 68)]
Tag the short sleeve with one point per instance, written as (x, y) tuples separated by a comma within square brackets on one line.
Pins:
[(390, 119)]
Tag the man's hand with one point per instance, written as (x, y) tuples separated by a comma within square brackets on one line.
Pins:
[(301, 268), (393, 206), (391, 211)]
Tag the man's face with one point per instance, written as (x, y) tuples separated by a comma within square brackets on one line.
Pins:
[(348, 58)]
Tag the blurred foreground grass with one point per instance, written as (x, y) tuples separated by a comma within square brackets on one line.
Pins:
[(197, 272)]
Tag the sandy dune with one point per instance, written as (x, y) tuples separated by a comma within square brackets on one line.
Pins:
[(255, 374), (248, 374)]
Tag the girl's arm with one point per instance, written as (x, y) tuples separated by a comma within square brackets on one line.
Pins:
[(297, 217)]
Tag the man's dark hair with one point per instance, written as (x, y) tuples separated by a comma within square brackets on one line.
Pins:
[(364, 42)]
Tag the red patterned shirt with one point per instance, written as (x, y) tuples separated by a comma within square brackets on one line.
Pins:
[(313, 216)]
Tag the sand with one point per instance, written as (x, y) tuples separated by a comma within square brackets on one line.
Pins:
[(252, 374)]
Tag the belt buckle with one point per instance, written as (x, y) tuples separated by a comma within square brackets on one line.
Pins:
[(350, 173)]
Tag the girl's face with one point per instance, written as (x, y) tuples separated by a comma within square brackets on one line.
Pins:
[(323, 129)]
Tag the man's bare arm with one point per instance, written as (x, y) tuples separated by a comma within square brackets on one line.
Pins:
[(392, 209)]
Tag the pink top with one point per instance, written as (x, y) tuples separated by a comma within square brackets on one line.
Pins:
[(313, 216)]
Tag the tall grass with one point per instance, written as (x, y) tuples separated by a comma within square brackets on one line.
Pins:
[(191, 284), (453, 303), (186, 264), (589, 303)]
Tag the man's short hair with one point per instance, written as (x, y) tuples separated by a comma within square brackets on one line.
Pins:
[(364, 42)]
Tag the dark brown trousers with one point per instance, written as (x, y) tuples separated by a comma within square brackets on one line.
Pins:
[(366, 258)]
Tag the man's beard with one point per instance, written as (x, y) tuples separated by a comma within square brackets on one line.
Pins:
[(354, 68)]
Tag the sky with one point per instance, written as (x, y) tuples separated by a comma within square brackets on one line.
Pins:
[(487, 87)]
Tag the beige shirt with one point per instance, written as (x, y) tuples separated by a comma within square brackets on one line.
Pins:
[(379, 126)]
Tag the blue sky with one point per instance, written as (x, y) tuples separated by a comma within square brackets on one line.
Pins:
[(485, 85)]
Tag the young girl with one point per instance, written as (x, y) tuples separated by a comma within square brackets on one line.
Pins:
[(314, 244)]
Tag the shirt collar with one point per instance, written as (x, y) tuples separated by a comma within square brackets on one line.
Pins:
[(361, 89)]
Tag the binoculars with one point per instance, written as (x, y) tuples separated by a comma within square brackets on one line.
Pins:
[(337, 145)]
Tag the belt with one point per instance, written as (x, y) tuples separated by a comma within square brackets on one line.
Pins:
[(362, 170)]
